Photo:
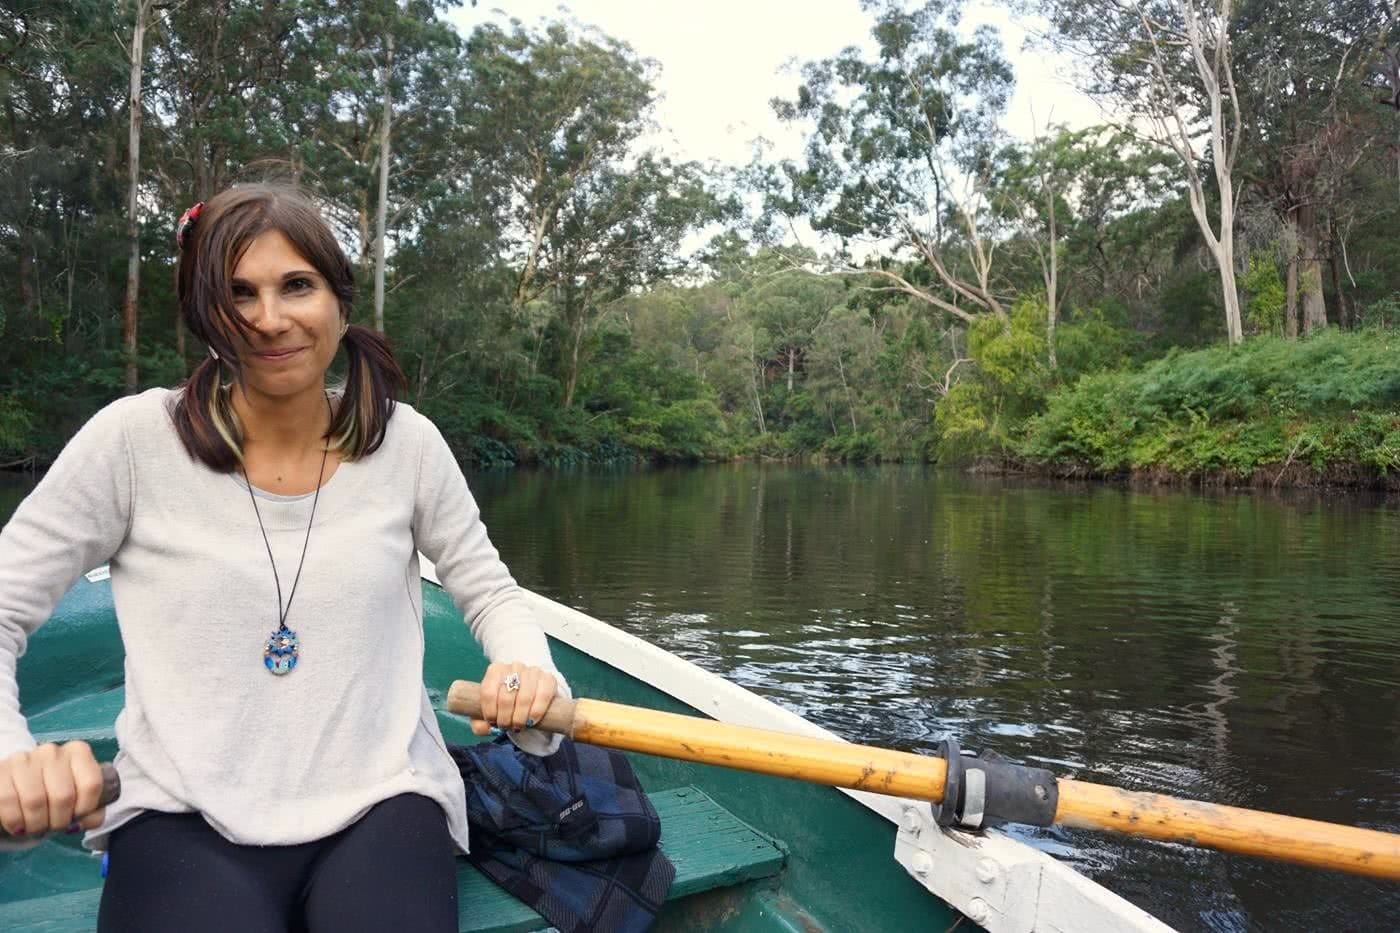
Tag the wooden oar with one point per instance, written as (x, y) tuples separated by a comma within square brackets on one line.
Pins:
[(882, 771)]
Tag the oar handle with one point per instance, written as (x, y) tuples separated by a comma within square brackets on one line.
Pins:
[(111, 790), (464, 699)]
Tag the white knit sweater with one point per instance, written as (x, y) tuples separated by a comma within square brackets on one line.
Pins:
[(267, 760)]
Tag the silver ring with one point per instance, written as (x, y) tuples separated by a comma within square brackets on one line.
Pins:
[(512, 682)]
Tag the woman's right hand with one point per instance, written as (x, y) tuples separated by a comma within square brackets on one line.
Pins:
[(49, 789)]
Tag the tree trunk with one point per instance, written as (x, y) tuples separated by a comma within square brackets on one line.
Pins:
[(572, 382), (792, 366), (532, 258), (24, 201), (1334, 262), (26, 271), (755, 367), (366, 242), (381, 212), (1216, 74), (850, 398), (1290, 320), (1310, 270), (133, 230), (1052, 278), (1234, 324)]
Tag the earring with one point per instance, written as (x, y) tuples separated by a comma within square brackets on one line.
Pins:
[(214, 353), (344, 327)]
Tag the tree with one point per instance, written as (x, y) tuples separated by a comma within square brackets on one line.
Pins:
[(402, 53), (787, 307), (136, 54), (1063, 189), (619, 230), (1310, 119), (381, 211), (63, 131), (898, 153), (547, 111), (1167, 64), (841, 359)]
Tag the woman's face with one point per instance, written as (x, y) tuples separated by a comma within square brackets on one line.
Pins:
[(295, 319)]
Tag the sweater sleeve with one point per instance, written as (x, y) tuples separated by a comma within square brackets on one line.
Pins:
[(448, 530), (73, 521)]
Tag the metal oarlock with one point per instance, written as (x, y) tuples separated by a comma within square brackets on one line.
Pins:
[(987, 790)]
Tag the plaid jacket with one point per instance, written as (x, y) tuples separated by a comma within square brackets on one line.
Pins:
[(573, 835)]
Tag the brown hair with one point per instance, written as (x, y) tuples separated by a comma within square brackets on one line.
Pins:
[(227, 225)]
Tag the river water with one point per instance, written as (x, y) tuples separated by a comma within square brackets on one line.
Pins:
[(1236, 647)]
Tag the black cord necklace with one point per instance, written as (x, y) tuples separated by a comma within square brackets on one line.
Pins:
[(282, 648)]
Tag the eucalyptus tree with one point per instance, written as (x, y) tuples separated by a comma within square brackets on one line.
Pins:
[(551, 118), (898, 154), (1062, 191), (1310, 118), (788, 307), (143, 10), (1168, 67), (619, 230), (546, 111)]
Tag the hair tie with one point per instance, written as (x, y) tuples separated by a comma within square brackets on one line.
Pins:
[(187, 220)]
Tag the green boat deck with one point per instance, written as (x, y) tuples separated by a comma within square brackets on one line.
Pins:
[(710, 847)]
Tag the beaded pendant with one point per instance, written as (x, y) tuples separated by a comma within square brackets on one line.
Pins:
[(280, 652)]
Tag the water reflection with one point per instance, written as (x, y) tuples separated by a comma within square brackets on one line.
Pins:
[(1233, 648)]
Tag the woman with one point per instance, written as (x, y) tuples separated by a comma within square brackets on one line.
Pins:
[(281, 764)]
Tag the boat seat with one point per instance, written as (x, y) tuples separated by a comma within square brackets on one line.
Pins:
[(710, 847)]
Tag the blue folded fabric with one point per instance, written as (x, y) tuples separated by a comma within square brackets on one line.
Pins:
[(573, 834)]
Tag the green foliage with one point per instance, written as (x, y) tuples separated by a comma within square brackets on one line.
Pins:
[(1264, 287), (981, 413), (1384, 313), (489, 453), (16, 425), (1189, 310), (883, 124), (1092, 340), (854, 448), (1329, 400)]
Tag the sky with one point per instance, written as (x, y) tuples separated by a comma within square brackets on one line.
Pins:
[(721, 61)]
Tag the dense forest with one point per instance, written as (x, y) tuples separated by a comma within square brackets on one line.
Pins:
[(1206, 288)]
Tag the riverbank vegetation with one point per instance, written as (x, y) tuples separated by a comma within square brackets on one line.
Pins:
[(1207, 288)]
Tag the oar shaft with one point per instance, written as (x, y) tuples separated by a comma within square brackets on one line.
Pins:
[(690, 738), (1230, 829), (819, 761), (901, 774)]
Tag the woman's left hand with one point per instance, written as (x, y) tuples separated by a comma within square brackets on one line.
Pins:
[(518, 708)]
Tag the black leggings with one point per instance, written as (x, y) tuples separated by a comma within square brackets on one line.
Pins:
[(391, 870)]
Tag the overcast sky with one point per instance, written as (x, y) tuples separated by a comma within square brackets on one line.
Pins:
[(721, 61)]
